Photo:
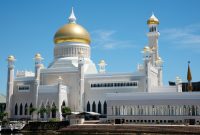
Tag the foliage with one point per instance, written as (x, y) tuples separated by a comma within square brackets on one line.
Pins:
[(42, 110), (54, 109), (2, 115), (32, 110), (54, 120), (65, 111)]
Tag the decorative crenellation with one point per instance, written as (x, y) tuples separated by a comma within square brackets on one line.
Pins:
[(25, 74)]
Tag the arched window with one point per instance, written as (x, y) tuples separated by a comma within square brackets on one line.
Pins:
[(16, 109), (93, 107), (99, 107), (30, 109), (63, 103), (88, 106), (193, 110), (21, 109), (26, 109), (105, 108), (53, 110)]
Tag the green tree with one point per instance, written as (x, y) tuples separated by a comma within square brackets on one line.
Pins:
[(42, 111), (65, 111), (2, 115)]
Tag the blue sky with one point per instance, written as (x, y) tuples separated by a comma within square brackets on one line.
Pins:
[(117, 27)]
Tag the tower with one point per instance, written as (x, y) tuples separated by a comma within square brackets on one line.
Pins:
[(153, 35), (81, 63), (38, 65), (10, 83), (155, 60), (146, 57)]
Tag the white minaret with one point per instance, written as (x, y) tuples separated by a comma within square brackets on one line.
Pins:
[(153, 35), (147, 57), (102, 66), (10, 83), (38, 65), (81, 63), (59, 97)]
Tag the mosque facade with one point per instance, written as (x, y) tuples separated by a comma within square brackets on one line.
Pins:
[(73, 80)]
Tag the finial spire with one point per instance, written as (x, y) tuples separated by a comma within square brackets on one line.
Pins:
[(189, 75), (72, 17), (189, 78)]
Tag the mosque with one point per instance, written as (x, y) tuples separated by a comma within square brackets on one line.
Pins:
[(73, 80)]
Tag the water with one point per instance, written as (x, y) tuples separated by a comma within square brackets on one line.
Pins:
[(56, 133)]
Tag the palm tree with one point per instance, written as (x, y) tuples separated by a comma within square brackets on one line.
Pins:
[(53, 111), (65, 111), (31, 111), (42, 111)]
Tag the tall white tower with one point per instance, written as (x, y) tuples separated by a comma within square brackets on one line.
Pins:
[(38, 65), (81, 63), (10, 84), (155, 59), (153, 35)]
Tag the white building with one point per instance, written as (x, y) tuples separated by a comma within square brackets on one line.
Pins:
[(73, 80)]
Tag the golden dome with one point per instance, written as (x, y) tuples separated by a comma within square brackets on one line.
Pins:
[(153, 20), (72, 32)]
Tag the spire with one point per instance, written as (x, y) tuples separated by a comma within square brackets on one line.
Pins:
[(72, 17), (189, 77)]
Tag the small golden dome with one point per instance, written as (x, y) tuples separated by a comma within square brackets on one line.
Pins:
[(102, 61), (37, 55), (11, 58), (153, 20), (146, 48), (72, 32)]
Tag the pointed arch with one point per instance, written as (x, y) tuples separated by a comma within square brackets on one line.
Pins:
[(63, 103), (105, 107), (26, 109), (88, 106), (53, 110), (30, 107), (21, 109), (16, 109), (99, 107), (94, 106)]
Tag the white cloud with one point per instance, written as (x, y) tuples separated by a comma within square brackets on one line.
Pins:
[(105, 39), (186, 37)]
